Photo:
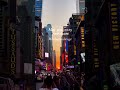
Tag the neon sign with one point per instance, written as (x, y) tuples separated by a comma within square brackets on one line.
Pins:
[(82, 37)]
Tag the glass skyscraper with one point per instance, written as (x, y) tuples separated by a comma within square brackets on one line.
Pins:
[(38, 8)]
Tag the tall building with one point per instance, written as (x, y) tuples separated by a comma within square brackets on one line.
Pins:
[(80, 44), (8, 38), (80, 6), (47, 31), (4, 38), (54, 59), (38, 29), (26, 19), (92, 63), (102, 43), (74, 22), (39, 49), (65, 45), (61, 63), (38, 8), (38, 38), (109, 38), (17, 43), (77, 6), (68, 48)]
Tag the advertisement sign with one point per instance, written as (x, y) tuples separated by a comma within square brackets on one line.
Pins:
[(70, 66), (66, 45), (46, 54), (82, 33), (83, 56), (66, 58), (115, 25), (12, 49)]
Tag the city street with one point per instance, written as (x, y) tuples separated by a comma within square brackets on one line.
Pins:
[(60, 44), (64, 81)]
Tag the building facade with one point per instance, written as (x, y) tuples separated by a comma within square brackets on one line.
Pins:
[(102, 43), (48, 45)]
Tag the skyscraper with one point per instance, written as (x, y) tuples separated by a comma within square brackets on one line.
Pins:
[(38, 8), (4, 61), (54, 59), (77, 6), (47, 31), (26, 40), (80, 6), (38, 29)]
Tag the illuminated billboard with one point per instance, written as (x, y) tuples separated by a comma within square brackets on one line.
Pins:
[(82, 33), (83, 57), (46, 54), (66, 45)]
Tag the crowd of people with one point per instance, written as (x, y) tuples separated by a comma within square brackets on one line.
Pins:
[(50, 83), (60, 82)]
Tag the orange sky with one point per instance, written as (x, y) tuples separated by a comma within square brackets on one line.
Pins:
[(57, 45)]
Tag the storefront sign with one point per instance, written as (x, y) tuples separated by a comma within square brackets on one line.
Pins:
[(95, 53), (115, 26), (82, 37), (12, 49)]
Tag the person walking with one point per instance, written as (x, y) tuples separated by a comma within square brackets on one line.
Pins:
[(48, 84)]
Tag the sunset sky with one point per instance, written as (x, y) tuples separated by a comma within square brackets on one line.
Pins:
[(57, 13)]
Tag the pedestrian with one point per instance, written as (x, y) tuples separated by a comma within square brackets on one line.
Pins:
[(48, 84), (56, 80)]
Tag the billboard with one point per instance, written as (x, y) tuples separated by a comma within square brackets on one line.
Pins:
[(70, 66), (46, 54), (83, 57), (114, 9), (12, 43)]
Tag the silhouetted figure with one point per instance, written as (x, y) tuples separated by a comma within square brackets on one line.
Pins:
[(48, 84), (56, 80)]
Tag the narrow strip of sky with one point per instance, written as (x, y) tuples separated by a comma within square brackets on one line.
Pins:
[(57, 13)]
